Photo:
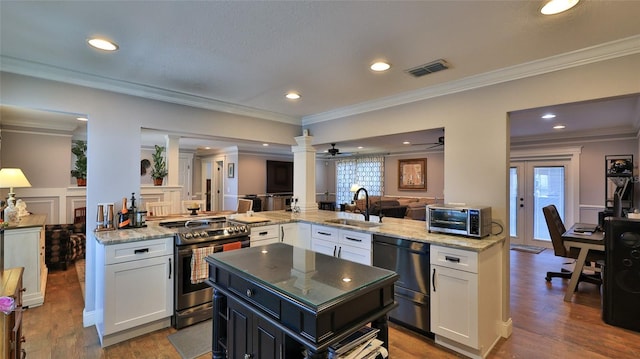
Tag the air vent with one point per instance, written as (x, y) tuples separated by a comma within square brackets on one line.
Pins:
[(429, 68)]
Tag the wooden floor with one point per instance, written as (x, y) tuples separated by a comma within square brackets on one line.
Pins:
[(544, 326)]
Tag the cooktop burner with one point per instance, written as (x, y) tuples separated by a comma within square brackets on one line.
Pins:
[(206, 230)]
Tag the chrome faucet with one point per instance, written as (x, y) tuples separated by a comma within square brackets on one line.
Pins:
[(366, 201)]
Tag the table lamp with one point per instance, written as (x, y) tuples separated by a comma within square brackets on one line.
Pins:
[(10, 178)]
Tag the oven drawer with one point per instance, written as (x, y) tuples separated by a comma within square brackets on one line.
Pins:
[(132, 251)]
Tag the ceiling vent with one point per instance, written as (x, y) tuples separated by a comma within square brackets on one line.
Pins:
[(429, 68)]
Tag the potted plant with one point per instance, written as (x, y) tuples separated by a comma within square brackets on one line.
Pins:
[(159, 170), (79, 149)]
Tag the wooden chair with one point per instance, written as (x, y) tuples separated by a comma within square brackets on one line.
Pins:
[(199, 203), (80, 215), (158, 208), (244, 205), (556, 229)]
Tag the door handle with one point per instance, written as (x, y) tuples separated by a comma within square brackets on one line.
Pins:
[(433, 280), (169, 268), (334, 250), (339, 251), (143, 250)]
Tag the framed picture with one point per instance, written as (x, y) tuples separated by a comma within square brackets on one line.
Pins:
[(412, 174), (231, 170)]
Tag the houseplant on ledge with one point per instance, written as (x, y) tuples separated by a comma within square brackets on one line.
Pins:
[(159, 170), (79, 149)]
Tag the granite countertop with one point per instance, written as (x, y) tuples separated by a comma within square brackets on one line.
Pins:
[(32, 220), (395, 227)]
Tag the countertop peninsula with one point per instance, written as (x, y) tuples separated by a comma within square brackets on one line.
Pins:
[(395, 227)]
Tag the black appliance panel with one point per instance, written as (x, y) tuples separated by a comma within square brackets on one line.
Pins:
[(621, 290)]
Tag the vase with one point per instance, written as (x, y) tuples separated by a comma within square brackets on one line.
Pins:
[(157, 181)]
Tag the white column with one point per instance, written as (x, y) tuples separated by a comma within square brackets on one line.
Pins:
[(304, 173), (173, 159)]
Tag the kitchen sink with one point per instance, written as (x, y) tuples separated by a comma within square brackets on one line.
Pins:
[(353, 222)]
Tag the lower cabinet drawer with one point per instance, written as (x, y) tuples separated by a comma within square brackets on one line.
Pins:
[(256, 295), (131, 251), (454, 258)]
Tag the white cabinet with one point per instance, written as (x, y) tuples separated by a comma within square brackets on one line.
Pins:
[(264, 235), (138, 289), (465, 299), (350, 245), (24, 247), (295, 234)]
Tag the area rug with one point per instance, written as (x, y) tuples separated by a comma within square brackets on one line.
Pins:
[(528, 249), (80, 264), (194, 341)]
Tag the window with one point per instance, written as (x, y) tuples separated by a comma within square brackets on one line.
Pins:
[(365, 171)]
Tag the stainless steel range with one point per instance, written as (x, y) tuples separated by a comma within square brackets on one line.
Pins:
[(194, 239)]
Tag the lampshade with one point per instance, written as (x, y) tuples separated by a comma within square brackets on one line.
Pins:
[(355, 187), (13, 177)]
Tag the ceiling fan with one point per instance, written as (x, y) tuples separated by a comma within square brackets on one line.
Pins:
[(433, 144), (333, 150)]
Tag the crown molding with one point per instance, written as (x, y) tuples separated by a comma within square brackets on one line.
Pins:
[(47, 72), (601, 52)]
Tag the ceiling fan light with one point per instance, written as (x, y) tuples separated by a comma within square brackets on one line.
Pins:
[(557, 6)]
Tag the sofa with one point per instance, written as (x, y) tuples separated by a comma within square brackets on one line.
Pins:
[(64, 243), (390, 206)]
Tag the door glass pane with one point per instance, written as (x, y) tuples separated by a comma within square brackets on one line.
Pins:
[(513, 201), (548, 189)]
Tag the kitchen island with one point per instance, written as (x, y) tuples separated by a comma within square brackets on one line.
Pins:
[(470, 325), (277, 301)]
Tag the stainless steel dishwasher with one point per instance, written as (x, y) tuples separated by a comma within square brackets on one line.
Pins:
[(410, 259)]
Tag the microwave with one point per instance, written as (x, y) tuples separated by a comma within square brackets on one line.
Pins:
[(463, 220)]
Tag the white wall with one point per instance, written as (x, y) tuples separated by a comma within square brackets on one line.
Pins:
[(476, 150)]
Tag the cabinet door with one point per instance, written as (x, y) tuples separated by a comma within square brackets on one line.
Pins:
[(323, 246), (137, 292), (454, 308), (296, 234), (250, 336), (239, 333), (23, 248), (354, 254)]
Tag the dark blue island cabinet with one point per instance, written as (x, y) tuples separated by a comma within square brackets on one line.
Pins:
[(279, 301)]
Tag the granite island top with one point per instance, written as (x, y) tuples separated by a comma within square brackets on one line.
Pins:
[(394, 227)]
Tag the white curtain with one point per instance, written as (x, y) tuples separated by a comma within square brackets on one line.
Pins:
[(368, 172)]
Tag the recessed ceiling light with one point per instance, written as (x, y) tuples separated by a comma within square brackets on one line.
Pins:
[(406, 143), (265, 144), (548, 116), (103, 44), (380, 66), (292, 95), (82, 119), (559, 127), (557, 6), (360, 147), (346, 279)]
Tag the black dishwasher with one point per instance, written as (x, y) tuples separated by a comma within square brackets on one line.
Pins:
[(410, 259)]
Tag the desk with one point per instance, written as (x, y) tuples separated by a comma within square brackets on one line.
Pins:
[(584, 242)]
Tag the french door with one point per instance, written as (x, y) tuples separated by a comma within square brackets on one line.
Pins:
[(535, 184)]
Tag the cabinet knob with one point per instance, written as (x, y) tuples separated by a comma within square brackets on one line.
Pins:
[(249, 294)]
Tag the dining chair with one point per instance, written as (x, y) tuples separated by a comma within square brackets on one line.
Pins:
[(244, 205), (80, 215), (556, 229), (160, 208)]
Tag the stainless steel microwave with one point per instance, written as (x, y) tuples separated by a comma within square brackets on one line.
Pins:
[(463, 220)]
